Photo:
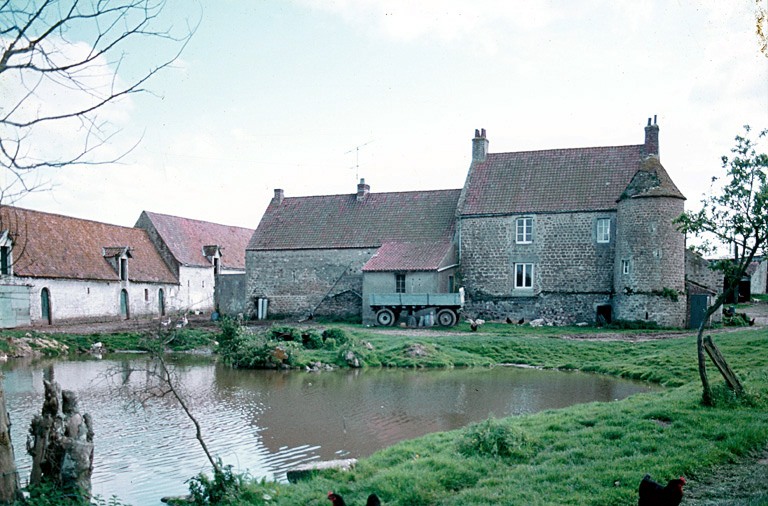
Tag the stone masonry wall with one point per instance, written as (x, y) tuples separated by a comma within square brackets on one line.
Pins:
[(654, 251), (298, 282), (573, 273)]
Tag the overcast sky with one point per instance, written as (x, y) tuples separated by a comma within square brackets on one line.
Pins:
[(310, 95)]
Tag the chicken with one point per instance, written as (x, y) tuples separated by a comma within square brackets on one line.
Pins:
[(473, 324), (653, 494), (337, 500)]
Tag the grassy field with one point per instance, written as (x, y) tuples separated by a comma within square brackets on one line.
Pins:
[(593, 454)]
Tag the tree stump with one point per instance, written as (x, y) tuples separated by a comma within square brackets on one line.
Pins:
[(61, 445)]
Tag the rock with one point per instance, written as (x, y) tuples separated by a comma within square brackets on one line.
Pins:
[(305, 471)]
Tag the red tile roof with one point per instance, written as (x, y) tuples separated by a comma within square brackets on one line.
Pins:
[(555, 180), (341, 221), (186, 239), (54, 246), (410, 256)]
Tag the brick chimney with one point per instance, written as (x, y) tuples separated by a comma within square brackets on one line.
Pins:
[(279, 196), (362, 190), (652, 139), (479, 146)]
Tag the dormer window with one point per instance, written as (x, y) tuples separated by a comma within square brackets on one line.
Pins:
[(213, 253), (6, 249), (118, 256)]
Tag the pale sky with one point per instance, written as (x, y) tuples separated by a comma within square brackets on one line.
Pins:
[(310, 95)]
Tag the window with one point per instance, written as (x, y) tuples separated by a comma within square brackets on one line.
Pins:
[(603, 230), (625, 266), (400, 283), (146, 294), (451, 284), (216, 265), (124, 269), (523, 275), (524, 230), (5, 260)]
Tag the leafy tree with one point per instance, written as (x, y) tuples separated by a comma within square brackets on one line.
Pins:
[(735, 213)]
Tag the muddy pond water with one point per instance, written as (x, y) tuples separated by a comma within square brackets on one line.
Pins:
[(267, 422)]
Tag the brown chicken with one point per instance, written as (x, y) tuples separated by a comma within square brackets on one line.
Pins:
[(654, 494)]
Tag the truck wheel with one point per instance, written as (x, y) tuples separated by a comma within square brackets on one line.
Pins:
[(385, 317), (446, 318)]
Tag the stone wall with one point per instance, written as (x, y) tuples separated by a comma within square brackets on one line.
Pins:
[(299, 282), (573, 273), (230, 294)]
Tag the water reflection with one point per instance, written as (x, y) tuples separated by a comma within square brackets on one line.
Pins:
[(269, 421)]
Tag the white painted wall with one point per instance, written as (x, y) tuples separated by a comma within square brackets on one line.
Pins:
[(196, 288), (93, 300)]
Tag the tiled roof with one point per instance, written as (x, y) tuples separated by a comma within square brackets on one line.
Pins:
[(555, 180), (651, 181), (55, 246), (186, 239), (341, 221), (409, 256)]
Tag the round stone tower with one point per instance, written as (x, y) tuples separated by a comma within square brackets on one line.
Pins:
[(649, 268)]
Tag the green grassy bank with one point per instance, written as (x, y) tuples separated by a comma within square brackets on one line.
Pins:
[(592, 454)]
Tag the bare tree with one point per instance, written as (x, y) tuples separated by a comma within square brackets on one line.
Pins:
[(63, 65)]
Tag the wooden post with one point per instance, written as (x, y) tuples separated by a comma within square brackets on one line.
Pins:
[(730, 377)]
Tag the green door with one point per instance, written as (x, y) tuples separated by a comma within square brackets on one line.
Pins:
[(124, 310), (161, 302), (45, 306)]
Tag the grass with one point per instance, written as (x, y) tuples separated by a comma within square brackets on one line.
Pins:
[(593, 454)]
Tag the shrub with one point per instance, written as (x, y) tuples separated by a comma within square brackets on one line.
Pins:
[(284, 333), (339, 336), (225, 485), (493, 438), (312, 340)]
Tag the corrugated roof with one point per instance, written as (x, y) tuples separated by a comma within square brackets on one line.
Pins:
[(186, 239), (555, 180), (341, 221), (409, 256), (54, 246)]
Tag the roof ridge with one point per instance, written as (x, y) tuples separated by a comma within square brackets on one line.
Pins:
[(152, 213), (566, 149), (48, 213), (375, 193)]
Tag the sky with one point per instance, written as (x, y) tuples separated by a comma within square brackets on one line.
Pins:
[(310, 95)]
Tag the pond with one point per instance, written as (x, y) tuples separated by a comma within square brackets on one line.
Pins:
[(267, 422)]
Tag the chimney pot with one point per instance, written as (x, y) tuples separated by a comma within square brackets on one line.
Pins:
[(479, 146), (362, 190), (279, 196), (651, 146)]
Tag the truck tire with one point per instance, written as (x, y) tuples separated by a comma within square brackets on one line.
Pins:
[(446, 318), (385, 317)]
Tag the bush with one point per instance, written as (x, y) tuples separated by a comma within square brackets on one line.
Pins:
[(312, 340), (225, 485), (493, 438), (339, 336), (284, 333)]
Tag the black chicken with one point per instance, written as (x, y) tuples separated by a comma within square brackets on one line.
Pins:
[(337, 500), (654, 494)]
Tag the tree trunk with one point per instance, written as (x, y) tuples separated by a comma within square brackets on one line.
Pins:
[(9, 478)]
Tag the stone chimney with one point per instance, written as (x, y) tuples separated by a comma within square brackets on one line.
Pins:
[(362, 190), (652, 139), (479, 146), (279, 196)]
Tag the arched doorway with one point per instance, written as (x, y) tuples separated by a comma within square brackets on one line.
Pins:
[(161, 302), (124, 309), (45, 306)]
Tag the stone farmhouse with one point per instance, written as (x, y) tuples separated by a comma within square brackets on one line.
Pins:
[(198, 253), (322, 255), (57, 268), (568, 235)]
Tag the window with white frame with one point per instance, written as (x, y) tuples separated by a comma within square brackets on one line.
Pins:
[(603, 230), (400, 283), (523, 275), (524, 230), (625, 266)]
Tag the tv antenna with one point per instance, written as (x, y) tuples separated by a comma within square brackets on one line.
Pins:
[(356, 149)]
